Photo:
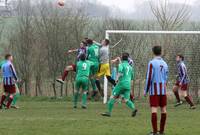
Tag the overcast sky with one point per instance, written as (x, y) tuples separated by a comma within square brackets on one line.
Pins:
[(129, 5)]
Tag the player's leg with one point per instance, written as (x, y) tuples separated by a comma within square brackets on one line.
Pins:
[(154, 101), (98, 76), (94, 88), (115, 94), (176, 93), (76, 92), (85, 90), (94, 71), (15, 98), (163, 120), (3, 98), (65, 73), (10, 99), (163, 116), (11, 90), (108, 74), (129, 103), (188, 98)]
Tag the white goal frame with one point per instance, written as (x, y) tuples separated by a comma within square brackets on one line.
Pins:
[(108, 32)]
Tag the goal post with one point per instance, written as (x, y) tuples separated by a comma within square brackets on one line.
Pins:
[(136, 32)]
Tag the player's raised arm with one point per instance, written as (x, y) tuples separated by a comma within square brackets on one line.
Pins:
[(72, 50), (115, 60), (148, 78), (97, 43)]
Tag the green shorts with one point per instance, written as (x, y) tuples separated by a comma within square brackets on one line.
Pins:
[(94, 69), (121, 89), (82, 82)]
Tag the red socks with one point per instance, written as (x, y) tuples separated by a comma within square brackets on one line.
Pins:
[(162, 122), (154, 122), (189, 100), (177, 96), (64, 75), (9, 101), (2, 99)]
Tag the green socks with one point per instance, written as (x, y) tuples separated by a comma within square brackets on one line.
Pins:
[(111, 103), (16, 97), (131, 105), (76, 95), (93, 84), (84, 99)]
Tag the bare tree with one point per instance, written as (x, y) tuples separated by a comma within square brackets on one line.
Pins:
[(22, 42), (169, 17)]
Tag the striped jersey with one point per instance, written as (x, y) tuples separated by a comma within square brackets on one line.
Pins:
[(182, 73), (157, 76), (80, 51), (130, 62), (9, 73)]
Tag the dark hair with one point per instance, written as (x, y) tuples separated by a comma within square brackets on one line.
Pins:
[(157, 50), (7, 56), (125, 56), (84, 43), (89, 41), (82, 57), (181, 56), (107, 41)]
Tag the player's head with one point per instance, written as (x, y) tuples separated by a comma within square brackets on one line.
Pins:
[(85, 39), (157, 50), (105, 42), (125, 56), (83, 44), (82, 57), (179, 57), (89, 41), (9, 57)]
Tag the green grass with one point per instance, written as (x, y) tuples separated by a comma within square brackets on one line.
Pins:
[(58, 118)]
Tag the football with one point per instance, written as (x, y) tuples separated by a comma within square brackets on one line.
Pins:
[(61, 3)]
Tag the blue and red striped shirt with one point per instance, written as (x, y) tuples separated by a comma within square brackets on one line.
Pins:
[(9, 73), (80, 51), (157, 76), (182, 73)]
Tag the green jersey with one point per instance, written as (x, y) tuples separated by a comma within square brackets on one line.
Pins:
[(127, 73), (83, 68), (93, 53)]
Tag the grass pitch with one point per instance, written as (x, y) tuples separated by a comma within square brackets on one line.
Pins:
[(59, 118)]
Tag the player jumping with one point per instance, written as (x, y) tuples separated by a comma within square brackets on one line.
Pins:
[(9, 80), (72, 67), (123, 87), (82, 80), (156, 81), (93, 56), (182, 83), (104, 67)]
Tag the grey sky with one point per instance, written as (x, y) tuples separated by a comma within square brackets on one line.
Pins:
[(129, 5)]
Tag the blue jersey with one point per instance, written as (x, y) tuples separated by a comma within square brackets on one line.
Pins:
[(157, 76), (182, 73), (9, 73)]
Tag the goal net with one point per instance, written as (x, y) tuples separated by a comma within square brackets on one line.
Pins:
[(139, 43)]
